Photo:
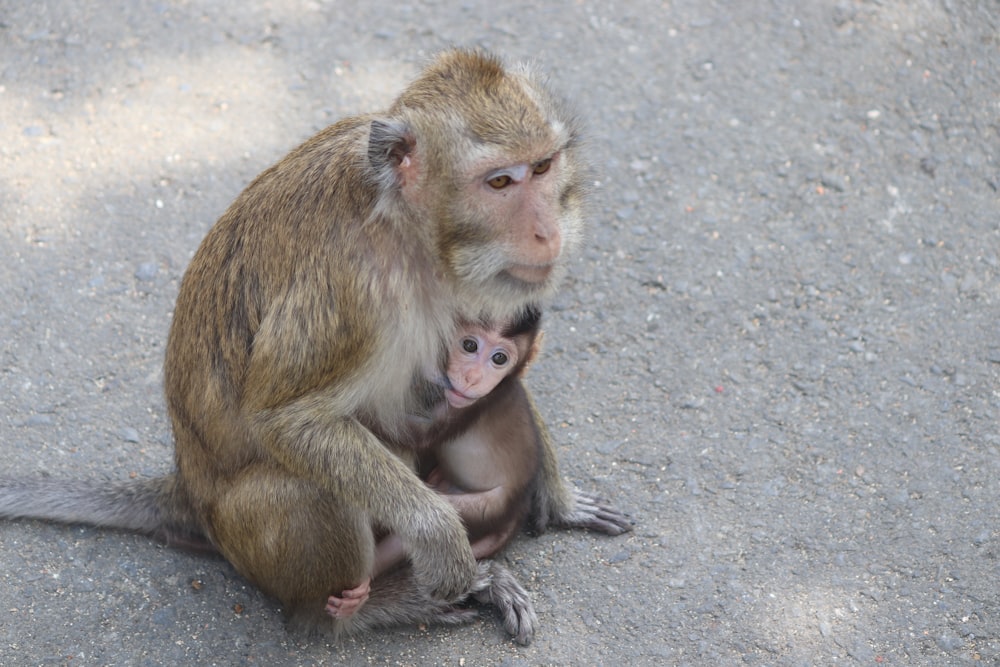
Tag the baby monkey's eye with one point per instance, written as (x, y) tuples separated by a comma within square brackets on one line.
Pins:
[(470, 345), (500, 358)]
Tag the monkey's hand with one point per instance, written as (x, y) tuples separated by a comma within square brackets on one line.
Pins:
[(497, 586), (439, 549), (435, 478), (588, 511), (349, 601)]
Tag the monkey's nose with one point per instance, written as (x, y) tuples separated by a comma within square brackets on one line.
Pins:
[(549, 239)]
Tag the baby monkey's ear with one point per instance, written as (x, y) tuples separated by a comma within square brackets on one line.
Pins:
[(533, 352)]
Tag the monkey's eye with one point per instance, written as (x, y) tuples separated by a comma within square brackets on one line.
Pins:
[(499, 358), (541, 167), (470, 345), (500, 181)]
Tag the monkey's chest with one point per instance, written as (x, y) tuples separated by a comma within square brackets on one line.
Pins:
[(471, 463)]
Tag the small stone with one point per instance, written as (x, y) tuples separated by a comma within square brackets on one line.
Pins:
[(949, 642), (861, 652), (969, 283), (38, 420), (513, 662), (833, 182), (165, 617), (128, 434), (146, 272), (693, 487), (620, 557), (609, 446)]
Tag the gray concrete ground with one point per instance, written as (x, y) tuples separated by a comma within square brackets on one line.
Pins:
[(779, 350)]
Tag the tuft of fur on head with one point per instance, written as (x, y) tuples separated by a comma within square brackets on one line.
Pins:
[(527, 320)]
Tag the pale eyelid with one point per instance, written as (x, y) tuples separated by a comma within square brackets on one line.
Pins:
[(517, 173)]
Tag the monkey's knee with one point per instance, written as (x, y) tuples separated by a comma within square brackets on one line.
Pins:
[(292, 540)]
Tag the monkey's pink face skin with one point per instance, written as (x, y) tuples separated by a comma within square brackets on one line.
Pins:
[(519, 204), (528, 193), (479, 360)]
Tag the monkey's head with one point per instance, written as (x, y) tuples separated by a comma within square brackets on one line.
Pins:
[(484, 354), (485, 159)]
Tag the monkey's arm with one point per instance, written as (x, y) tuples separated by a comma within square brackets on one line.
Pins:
[(389, 551), (557, 504), (499, 537), (343, 456), (478, 506), (492, 516)]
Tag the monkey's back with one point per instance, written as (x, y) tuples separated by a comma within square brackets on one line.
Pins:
[(277, 305)]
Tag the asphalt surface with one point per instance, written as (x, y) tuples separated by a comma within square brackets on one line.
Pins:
[(779, 350)]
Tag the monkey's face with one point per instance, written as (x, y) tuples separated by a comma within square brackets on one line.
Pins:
[(513, 222), (522, 197), (491, 158), (479, 360)]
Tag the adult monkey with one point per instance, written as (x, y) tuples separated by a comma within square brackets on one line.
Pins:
[(311, 308), (325, 288)]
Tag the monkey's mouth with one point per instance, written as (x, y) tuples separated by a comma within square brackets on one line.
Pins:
[(530, 273), (457, 399), (454, 397)]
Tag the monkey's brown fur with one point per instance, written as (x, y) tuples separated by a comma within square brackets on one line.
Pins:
[(309, 310)]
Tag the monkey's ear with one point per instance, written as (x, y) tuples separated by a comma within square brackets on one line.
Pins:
[(533, 352), (390, 151)]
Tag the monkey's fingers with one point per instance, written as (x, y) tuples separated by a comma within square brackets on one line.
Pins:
[(434, 478), (361, 591), (349, 601), (592, 513), (341, 608)]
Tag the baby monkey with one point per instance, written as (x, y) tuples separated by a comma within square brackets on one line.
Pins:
[(484, 461), (479, 447)]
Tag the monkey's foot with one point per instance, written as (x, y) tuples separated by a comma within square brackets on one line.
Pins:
[(498, 587), (589, 511), (349, 602)]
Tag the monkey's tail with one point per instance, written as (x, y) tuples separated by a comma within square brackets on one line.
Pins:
[(155, 507)]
